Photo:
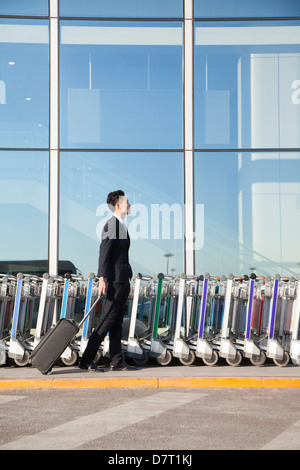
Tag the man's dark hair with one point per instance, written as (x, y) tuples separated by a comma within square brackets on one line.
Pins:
[(113, 198)]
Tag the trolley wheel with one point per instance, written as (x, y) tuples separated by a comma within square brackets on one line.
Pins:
[(166, 360), (284, 361), (24, 361), (258, 360), (190, 360), (70, 361), (236, 361), (213, 360), (142, 360), (3, 357)]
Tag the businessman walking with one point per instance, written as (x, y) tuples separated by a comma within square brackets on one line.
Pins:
[(114, 272)]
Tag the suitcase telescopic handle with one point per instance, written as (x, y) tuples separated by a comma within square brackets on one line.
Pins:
[(89, 312)]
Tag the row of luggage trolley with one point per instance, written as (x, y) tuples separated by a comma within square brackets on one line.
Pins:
[(196, 319)]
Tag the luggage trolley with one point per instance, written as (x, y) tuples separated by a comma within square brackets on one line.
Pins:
[(136, 328), (240, 319), (187, 291), (210, 320), (194, 291), (193, 295), (7, 292), (232, 320), (252, 349), (91, 293), (295, 327), (71, 298), (46, 317), (21, 338), (276, 349), (283, 323), (151, 341), (176, 321)]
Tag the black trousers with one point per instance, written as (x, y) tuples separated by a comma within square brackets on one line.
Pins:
[(111, 322)]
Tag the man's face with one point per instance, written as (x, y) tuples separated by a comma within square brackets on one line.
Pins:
[(124, 206)]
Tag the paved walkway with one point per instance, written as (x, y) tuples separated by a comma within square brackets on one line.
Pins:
[(155, 376)]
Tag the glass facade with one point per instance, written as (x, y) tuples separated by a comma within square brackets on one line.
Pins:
[(246, 86), (24, 83), (24, 190), (252, 211), (23, 8), (244, 8), (156, 220), (121, 85), (122, 8), (191, 107)]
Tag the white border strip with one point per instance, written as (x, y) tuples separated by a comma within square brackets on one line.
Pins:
[(246, 35), (54, 154), (188, 138)]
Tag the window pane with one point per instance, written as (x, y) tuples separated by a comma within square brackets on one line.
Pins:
[(122, 8), (21, 7), (245, 8), (153, 183), (251, 212), (24, 182), (247, 87), (24, 83), (121, 85)]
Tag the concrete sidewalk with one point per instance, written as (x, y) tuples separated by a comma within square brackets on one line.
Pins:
[(155, 376)]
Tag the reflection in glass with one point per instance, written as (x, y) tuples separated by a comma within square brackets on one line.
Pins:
[(153, 183), (246, 9), (121, 85), (24, 182), (21, 7), (24, 83), (251, 212), (122, 8), (247, 87)]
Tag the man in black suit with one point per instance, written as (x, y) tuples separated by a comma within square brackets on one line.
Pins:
[(114, 272)]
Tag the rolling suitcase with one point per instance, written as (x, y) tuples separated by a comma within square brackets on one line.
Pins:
[(55, 341)]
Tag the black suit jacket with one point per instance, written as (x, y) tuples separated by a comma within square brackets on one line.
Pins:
[(113, 256)]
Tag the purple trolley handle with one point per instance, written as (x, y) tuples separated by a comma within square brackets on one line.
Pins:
[(250, 305), (273, 306), (203, 304)]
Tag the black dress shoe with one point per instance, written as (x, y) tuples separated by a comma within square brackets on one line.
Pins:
[(90, 367), (122, 366)]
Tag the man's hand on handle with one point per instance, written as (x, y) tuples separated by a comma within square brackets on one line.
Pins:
[(101, 286)]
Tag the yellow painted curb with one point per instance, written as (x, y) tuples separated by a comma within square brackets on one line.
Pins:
[(106, 383), (151, 382), (209, 382), (282, 383), (30, 383)]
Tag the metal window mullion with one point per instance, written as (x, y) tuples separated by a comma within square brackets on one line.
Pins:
[(53, 138), (188, 138)]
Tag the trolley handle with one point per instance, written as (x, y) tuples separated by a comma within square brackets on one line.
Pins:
[(143, 277), (90, 310)]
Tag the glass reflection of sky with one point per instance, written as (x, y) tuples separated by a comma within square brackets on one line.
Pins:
[(252, 212), (24, 83), (147, 178), (24, 200), (246, 75), (122, 8), (121, 85)]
